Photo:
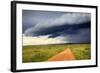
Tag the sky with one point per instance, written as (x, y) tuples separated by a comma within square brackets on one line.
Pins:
[(53, 27)]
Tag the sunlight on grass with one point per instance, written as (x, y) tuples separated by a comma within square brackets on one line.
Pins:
[(41, 53)]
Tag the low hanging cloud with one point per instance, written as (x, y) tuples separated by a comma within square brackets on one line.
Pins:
[(83, 36), (64, 25), (56, 30), (65, 19)]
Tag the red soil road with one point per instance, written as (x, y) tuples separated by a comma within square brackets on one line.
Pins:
[(67, 54)]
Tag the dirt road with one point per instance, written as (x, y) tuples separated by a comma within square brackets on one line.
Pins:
[(67, 54)]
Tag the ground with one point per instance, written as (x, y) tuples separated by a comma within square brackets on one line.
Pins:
[(40, 53)]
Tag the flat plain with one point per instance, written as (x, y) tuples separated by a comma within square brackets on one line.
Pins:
[(41, 53)]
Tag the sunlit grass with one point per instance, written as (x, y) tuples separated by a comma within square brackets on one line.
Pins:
[(41, 53)]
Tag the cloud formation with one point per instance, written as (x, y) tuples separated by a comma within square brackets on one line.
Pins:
[(68, 25)]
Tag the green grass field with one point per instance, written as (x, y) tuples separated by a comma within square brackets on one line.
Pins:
[(41, 53)]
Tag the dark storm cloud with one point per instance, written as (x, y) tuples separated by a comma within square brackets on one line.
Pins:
[(31, 18), (73, 26), (58, 30), (83, 36)]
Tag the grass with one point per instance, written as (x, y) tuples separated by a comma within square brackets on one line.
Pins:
[(41, 53)]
